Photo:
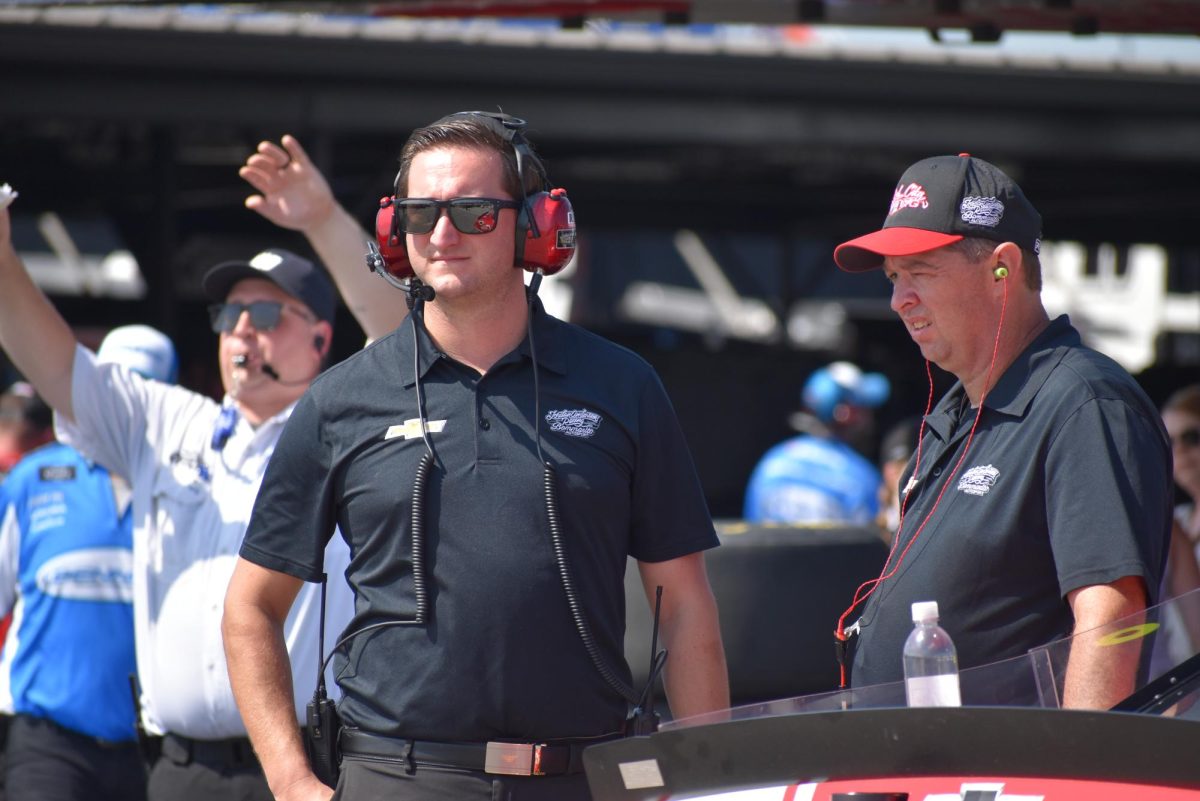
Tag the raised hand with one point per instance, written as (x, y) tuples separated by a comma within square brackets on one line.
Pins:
[(293, 192)]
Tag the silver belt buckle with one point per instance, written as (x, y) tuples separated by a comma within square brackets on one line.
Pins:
[(513, 759)]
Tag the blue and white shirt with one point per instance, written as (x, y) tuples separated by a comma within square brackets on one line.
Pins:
[(66, 574), (810, 479)]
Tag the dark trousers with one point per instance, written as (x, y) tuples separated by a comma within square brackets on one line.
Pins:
[(207, 770), (47, 762), (369, 779), (5, 722)]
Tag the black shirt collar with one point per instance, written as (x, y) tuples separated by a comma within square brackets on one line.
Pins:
[(548, 331), (548, 334), (1016, 389)]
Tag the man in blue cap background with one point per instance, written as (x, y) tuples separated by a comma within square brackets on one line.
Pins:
[(818, 476)]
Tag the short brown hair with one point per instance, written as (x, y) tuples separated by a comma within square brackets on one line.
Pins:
[(976, 249), (467, 131)]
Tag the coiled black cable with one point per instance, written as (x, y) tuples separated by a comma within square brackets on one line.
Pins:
[(550, 494), (416, 519), (418, 535)]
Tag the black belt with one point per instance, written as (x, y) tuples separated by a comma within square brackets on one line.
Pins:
[(32, 721), (509, 759), (236, 751)]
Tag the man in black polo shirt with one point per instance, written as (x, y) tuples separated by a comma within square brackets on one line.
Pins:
[(1040, 504), (428, 450)]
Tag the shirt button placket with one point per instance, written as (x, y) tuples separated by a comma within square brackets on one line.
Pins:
[(486, 444), (480, 415)]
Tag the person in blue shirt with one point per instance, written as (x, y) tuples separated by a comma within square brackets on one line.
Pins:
[(66, 575), (818, 476)]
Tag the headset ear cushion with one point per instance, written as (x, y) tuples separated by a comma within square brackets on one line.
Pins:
[(548, 225), (393, 245)]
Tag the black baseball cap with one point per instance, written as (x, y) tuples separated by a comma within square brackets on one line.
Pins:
[(940, 201), (295, 275)]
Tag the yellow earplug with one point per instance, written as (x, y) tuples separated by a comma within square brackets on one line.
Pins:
[(1000, 272)]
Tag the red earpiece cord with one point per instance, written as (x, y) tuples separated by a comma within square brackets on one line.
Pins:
[(859, 596)]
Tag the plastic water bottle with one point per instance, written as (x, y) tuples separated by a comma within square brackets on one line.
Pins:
[(930, 661)]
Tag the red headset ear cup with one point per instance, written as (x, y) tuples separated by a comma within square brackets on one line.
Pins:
[(550, 215), (393, 245)]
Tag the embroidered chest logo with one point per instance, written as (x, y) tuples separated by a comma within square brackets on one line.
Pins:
[(978, 480), (909, 197), (573, 422), (985, 211), (412, 429)]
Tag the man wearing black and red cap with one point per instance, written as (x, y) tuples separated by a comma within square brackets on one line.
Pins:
[(1041, 497)]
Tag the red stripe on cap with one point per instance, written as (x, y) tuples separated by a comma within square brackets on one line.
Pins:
[(867, 251)]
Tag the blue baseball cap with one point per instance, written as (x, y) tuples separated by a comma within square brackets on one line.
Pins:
[(843, 383), (142, 349)]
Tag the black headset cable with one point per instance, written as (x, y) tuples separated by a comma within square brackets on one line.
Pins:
[(549, 488)]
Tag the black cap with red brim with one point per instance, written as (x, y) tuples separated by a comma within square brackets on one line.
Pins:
[(940, 201)]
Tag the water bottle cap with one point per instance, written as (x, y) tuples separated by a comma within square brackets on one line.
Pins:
[(924, 611)]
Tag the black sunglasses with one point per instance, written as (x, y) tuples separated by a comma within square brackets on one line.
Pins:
[(264, 315), (1188, 438), (470, 215)]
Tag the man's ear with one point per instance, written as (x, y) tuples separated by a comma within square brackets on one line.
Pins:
[(1006, 262), (322, 337)]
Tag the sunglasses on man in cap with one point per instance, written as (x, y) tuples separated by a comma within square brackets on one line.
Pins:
[(264, 315)]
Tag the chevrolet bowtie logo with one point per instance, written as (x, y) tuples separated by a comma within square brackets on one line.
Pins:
[(412, 429)]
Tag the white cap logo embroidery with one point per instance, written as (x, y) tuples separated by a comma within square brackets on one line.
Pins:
[(266, 261), (978, 480), (573, 422), (909, 197), (985, 211)]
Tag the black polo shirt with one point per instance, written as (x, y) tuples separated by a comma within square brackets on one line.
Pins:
[(500, 657), (1067, 483)]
